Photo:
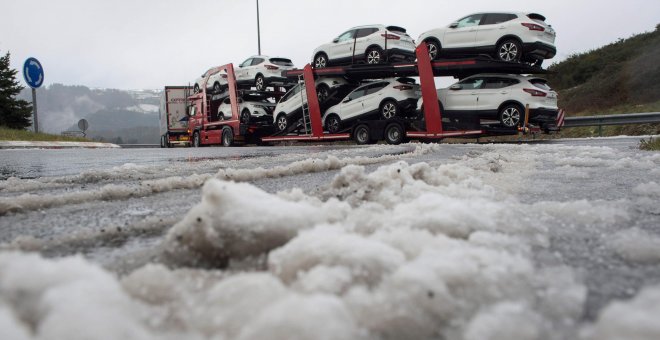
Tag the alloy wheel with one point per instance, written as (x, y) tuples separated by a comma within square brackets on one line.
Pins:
[(508, 51)]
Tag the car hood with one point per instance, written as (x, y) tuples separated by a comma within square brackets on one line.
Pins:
[(323, 48)]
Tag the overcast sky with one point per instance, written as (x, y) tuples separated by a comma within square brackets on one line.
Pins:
[(142, 44)]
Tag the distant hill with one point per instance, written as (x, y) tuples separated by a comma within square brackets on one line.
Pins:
[(621, 76), (113, 115)]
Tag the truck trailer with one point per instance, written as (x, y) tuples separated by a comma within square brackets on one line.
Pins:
[(173, 116)]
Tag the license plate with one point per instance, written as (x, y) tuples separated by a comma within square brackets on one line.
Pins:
[(185, 138)]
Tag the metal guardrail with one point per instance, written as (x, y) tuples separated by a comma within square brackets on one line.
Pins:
[(622, 119)]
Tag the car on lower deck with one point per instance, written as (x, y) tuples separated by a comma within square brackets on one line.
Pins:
[(500, 97), (380, 99), (371, 44), (261, 71), (508, 36), (289, 108), (251, 109)]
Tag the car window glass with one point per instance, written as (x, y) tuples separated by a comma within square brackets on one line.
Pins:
[(497, 18), (363, 32), (499, 83), (346, 36), (257, 61), (246, 63), (373, 88), (472, 83), (540, 83), (472, 20), (358, 93)]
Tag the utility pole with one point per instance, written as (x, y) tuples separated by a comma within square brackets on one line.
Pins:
[(258, 30)]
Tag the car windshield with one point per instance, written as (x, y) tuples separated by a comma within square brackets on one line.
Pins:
[(281, 62)]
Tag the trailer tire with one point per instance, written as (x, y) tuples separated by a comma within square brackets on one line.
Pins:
[(511, 115), (196, 140), (227, 136), (394, 134), (389, 109), (361, 134), (282, 123), (245, 117), (260, 83), (162, 142), (333, 123)]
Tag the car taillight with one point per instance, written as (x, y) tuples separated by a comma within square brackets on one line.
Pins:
[(390, 36), (403, 87), (533, 27), (535, 93), (271, 67), (224, 76)]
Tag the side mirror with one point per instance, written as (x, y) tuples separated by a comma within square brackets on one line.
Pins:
[(336, 40), (348, 99), (453, 25), (456, 87)]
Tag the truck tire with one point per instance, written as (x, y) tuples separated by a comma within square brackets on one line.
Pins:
[(167, 141), (162, 142), (394, 134), (227, 136), (362, 135), (196, 140)]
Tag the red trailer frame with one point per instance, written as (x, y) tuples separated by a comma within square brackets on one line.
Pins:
[(432, 112)]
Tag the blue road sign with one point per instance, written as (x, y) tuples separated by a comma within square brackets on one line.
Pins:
[(33, 73)]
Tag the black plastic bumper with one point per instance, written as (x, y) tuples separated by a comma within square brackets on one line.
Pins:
[(539, 50), (399, 54)]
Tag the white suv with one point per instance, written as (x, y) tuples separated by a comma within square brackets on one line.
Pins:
[(251, 110), (217, 81), (506, 36), (371, 44), (500, 97), (385, 99), (289, 109), (262, 71)]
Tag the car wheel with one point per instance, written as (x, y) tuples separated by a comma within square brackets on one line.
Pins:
[(361, 134), (394, 134), (227, 136), (323, 92), (260, 83), (374, 56), (221, 115), (282, 122), (320, 60), (434, 49), (216, 87), (511, 115), (196, 89), (509, 50), (245, 117), (389, 109), (333, 123), (196, 140)]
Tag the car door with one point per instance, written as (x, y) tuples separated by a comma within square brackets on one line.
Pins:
[(363, 39), (495, 91), (253, 69), (492, 27), (342, 46), (464, 34), (372, 97), (351, 106), (462, 96), (242, 71)]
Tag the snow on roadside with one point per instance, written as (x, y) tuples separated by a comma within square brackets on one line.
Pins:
[(406, 251)]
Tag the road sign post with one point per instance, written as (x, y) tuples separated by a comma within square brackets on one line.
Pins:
[(33, 74)]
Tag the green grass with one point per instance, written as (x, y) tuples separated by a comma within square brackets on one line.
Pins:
[(652, 144), (24, 135)]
